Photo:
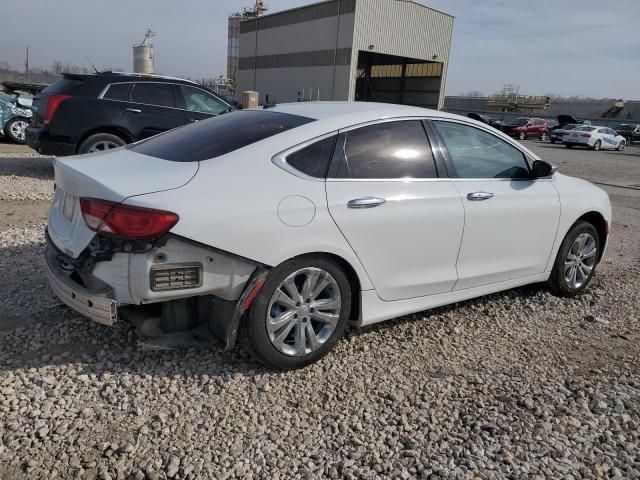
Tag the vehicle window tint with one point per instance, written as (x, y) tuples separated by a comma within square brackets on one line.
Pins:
[(313, 160), (117, 91), (160, 94), (611, 132), (217, 136), (198, 100), (603, 130), (478, 154), (387, 150)]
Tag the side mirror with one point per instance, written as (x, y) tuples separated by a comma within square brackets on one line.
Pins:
[(542, 169)]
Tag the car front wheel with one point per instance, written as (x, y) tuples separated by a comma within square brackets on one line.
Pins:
[(300, 313), (621, 145), (576, 261)]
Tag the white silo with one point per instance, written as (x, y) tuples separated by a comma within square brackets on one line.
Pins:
[(143, 55)]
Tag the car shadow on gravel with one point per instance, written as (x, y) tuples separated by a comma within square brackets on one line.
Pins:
[(33, 167), (61, 336)]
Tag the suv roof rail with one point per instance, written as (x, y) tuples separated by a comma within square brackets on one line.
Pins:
[(146, 75)]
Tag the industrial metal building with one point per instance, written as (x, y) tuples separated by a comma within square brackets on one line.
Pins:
[(370, 50)]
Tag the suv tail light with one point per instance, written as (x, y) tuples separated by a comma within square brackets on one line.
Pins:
[(116, 219), (53, 102)]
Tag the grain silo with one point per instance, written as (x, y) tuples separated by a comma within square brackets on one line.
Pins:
[(143, 55)]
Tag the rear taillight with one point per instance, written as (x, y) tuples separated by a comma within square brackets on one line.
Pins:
[(588, 135), (116, 219), (53, 102)]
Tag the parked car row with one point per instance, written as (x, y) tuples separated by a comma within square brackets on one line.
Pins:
[(90, 113), (15, 114)]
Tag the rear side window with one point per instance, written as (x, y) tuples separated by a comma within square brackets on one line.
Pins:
[(160, 94), (313, 160), (118, 91), (387, 150), (218, 135)]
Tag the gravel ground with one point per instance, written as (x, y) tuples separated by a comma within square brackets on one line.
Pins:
[(519, 384)]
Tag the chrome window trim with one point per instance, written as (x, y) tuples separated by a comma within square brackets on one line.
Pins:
[(280, 159), (106, 88)]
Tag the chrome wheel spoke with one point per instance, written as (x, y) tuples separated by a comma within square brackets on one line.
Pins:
[(284, 333), (301, 339), (290, 286), (321, 285), (580, 260), (314, 344), (310, 283), (326, 304), (328, 318), (281, 320), (284, 299)]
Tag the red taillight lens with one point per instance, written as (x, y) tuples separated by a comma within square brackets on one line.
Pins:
[(53, 102), (127, 221)]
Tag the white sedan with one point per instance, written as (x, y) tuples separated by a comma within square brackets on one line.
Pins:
[(594, 137), (285, 225)]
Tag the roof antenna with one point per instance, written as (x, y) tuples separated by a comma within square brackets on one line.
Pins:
[(90, 63)]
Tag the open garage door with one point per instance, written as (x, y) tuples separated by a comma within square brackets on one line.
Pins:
[(393, 79)]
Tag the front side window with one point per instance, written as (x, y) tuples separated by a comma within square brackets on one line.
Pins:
[(160, 94), (197, 100), (313, 160), (479, 154), (387, 150)]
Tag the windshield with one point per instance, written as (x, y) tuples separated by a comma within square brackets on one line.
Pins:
[(517, 121), (584, 129), (218, 135)]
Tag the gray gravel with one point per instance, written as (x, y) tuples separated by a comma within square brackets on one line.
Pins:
[(520, 384), (25, 177)]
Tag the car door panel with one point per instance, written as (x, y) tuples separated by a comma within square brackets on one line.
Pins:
[(403, 223), (509, 235), (150, 114), (409, 244), (510, 219)]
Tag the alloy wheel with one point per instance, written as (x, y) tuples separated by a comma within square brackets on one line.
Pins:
[(102, 146), (303, 311), (580, 260), (18, 129)]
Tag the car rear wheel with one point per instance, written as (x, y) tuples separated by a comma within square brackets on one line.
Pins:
[(576, 261), (522, 136), (597, 145), (621, 145), (544, 137), (15, 129), (300, 313), (100, 142)]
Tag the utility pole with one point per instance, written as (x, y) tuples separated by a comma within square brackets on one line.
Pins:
[(26, 65)]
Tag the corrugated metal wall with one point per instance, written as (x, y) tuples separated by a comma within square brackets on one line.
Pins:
[(402, 28)]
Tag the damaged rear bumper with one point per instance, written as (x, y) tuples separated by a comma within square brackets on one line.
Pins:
[(100, 307)]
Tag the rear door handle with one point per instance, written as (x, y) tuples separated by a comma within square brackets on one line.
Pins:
[(133, 110), (365, 202), (479, 196)]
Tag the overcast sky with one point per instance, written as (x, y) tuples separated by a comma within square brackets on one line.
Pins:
[(583, 47)]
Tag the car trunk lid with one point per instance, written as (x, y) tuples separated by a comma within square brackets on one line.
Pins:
[(115, 176)]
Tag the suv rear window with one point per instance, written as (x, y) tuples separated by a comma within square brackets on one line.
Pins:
[(218, 135), (62, 85)]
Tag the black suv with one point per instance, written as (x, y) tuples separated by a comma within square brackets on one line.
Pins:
[(90, 113)]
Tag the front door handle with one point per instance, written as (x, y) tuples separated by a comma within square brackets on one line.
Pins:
[(134, 110), (479, 196), (365, 202)]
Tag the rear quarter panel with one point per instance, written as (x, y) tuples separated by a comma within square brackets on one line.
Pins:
[(232, 204)]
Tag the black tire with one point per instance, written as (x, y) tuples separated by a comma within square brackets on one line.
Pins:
[(596, 146), (97, 140), (253, 329), (14, 129), (568, 146), (621, 145), (557, 283), (522, 136), (553, 140)]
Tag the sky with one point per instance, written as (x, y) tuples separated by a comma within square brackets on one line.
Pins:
[(569, 47)]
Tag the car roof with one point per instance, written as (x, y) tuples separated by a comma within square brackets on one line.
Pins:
[(356, 112), (126, 76)]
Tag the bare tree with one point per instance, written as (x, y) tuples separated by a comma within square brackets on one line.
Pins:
[(57, 67), (4, 66), (472, 93)]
